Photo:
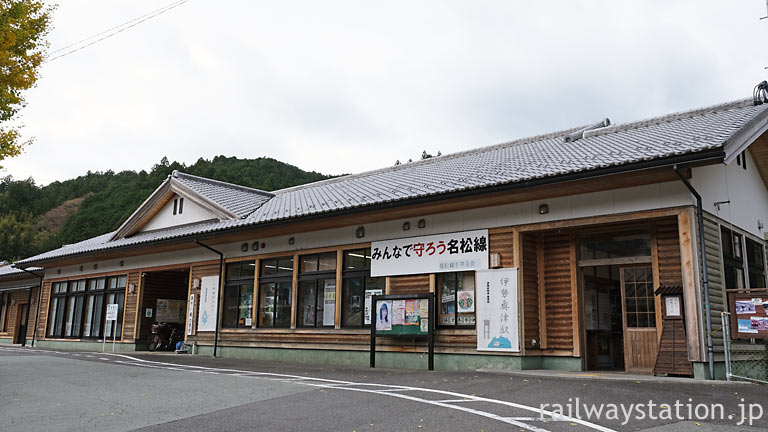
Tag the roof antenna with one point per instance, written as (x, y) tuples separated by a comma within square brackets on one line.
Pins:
[(760, 93)]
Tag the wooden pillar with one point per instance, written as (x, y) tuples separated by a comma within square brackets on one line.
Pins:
[(339, 266), (656, 280), (256, 294), (517, 262), (294, 290), (542, 292), (575, 301), (690, 286)]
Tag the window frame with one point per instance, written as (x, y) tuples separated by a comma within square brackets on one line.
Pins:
[(62, 299), (317, 277), (755, 268), (439, 303), (238, 282), (364, 274), (275, 278), (5, 303)]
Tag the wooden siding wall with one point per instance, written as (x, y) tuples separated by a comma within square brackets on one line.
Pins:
[(668, 247), (160, 285), (416, 284), (43, 319), (131, 304), (17, 298), (530, 271), (556, 259), (198, 272), (502, 242), (718, 299)]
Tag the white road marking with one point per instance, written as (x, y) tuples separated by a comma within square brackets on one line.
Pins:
[(387, 390)]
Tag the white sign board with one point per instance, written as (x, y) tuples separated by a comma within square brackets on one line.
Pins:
[(112, 312), (207, 313), (461, 251), (497, 318), (367, 311), (191, 315), (673, 306), (329, 302)]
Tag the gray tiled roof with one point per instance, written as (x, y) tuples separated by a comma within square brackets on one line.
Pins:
[(238, 200), (7, 271), (517, 161)]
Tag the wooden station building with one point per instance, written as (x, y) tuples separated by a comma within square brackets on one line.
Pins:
[(595, 219)]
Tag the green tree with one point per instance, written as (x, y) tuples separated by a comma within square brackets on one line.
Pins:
[(24, 25)]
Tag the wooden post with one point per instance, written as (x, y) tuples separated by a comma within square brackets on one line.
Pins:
[(517, 262), (656, 280), (339, 266), (575, 301), (542, 292), (432, 282), (294, 289), (256, 293), (690, 291)]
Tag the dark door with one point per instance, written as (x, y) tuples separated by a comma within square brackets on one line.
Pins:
[(20, 336)]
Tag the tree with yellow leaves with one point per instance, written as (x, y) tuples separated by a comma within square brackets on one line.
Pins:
[(24, 25)]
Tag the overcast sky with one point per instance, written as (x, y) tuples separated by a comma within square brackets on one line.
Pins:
[(349, 86)]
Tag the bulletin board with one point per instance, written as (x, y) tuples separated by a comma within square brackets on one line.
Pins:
[(749, 314), (408, 316)]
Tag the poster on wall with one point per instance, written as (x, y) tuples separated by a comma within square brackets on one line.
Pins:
[(191, 315), (209, 292), (368, 295), (383, 318), (452, 252), (172, 311), (466, 301), (497, 318), (329, 299)]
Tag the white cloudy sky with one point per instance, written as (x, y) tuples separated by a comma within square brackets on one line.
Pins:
[(348, 86)]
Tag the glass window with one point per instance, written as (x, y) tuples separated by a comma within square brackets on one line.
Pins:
[(77, 307), (4, 304), (316, 305), (357, 285), (275, 286), (238, 295), (733, 262), (456, 297), (638, 297), (756, 264)]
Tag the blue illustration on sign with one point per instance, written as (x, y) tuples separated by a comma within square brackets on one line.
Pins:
[(204, 318), (500, 342)]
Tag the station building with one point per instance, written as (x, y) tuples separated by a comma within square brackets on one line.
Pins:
[(597, 220)]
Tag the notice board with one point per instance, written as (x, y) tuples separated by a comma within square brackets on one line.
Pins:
[(396, 317), (749, 315)]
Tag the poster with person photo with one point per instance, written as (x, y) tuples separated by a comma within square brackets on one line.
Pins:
[(383, 315)]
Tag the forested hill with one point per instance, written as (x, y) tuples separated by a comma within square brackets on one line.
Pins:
[(36, 219)]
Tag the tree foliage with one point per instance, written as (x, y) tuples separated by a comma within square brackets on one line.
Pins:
[(24, 25), (109, 198)]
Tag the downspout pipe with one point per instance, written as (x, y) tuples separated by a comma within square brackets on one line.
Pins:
[(29, 300), (705, 274), (218, 297)]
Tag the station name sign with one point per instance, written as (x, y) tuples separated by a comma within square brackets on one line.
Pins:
[(452, 252)]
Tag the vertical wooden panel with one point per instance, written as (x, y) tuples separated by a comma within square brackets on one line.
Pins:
[(668, 250), (130, 308), (42, 323), (575, 303), (557, 290), (529, 264), (339, 266), (294, 290), (690, 298), (502, 241)]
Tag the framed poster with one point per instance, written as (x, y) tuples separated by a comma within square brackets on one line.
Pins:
[(209, 294), (497, 317)]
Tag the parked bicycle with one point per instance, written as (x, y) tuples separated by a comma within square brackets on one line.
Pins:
[(164, 337)]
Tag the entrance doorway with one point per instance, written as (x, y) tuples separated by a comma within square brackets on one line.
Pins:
[(619, 304), (20, 335), (163, 299)]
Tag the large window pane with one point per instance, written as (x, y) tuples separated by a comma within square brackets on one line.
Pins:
[(230, 306), (283, 305), (267, 293), (307, 307), (352, 298)]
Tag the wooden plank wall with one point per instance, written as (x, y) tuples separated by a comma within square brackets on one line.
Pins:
[(131, 304), (668, 247), (416, 284), (718, 299), (530, 270), (198, 272), (557, 258), (502, 242), (43, 320)]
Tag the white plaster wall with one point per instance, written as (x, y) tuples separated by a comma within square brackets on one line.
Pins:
[(165, 218), (744, 189), (663, 195)]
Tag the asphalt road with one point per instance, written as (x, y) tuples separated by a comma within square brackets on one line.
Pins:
[(78, 391)]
